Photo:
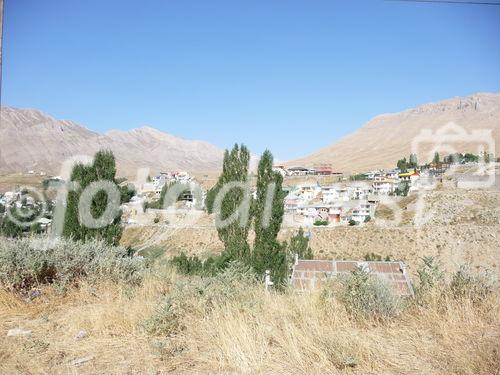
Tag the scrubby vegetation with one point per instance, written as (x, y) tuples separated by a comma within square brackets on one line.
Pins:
[(321, 222), (365, 296), (374, 257), (201, 294), (228, 323), (27, 263)]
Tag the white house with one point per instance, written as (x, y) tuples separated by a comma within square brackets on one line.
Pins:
[(361, 212), (411, 177), (383, 185), (308, 191), (330, 194)]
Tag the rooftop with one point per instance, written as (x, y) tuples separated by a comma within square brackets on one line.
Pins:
[(308, 275)]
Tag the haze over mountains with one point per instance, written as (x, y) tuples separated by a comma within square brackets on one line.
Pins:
[(387, 138), (32, 140)]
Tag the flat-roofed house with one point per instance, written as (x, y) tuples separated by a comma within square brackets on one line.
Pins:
[(383, 185)]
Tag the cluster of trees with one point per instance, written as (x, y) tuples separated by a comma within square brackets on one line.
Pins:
[(102, 170), (236, 211), (358, 177), (24, 221), (402, 189), (17, 221), (403, 164), (456, 158), (459, 158)]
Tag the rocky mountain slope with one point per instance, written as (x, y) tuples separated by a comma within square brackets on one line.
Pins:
[(388, 137), (32, 140)]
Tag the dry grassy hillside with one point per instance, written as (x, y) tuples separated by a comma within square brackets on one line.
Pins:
[(229, 325), (387, 138), (163, 322)]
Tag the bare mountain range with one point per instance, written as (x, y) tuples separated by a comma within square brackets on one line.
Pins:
[(32, 140), (387, 138)]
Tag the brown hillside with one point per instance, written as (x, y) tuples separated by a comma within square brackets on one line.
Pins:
[(32, 140), (386, 138)]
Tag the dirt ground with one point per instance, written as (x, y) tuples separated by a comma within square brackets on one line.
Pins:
[(11, 181)]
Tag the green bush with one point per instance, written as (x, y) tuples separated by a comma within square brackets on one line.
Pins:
[(374, 257), (321, 222), (299, 244), (366, 296), (25, 263), (352, 222), (430, 276), (195, 266)]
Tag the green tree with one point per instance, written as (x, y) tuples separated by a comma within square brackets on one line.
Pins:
[(20, 222), (299, 244), (127, 192), (103, 168), (413, 161), (402, 165), (210, 198), (436, 159), (235, 233), (268, 210), (158, 204)]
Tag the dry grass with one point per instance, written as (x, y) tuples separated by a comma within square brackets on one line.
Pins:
[(254, 332), (10, 182)]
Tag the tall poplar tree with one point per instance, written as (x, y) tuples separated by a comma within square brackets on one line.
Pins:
[(234, 235), (268, 209)]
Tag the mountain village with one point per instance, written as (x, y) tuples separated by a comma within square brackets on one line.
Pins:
[(348, 200)]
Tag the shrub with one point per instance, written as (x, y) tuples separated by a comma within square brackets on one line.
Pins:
[(25, 263), (464, 284), (195, 266), (152, 255), (373, 257), (187, 265), (126, 192), (321, 222), (365, 295), (165, 319), (430, 275), (201, 295), (352, 222)]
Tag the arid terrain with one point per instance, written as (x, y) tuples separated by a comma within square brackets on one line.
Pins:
[(462, 226), (136, 330), (33, 140), (47, 142), (250, 187), (388, 137), (228, 323)]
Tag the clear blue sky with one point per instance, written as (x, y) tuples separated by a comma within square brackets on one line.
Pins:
[(291, 76)]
